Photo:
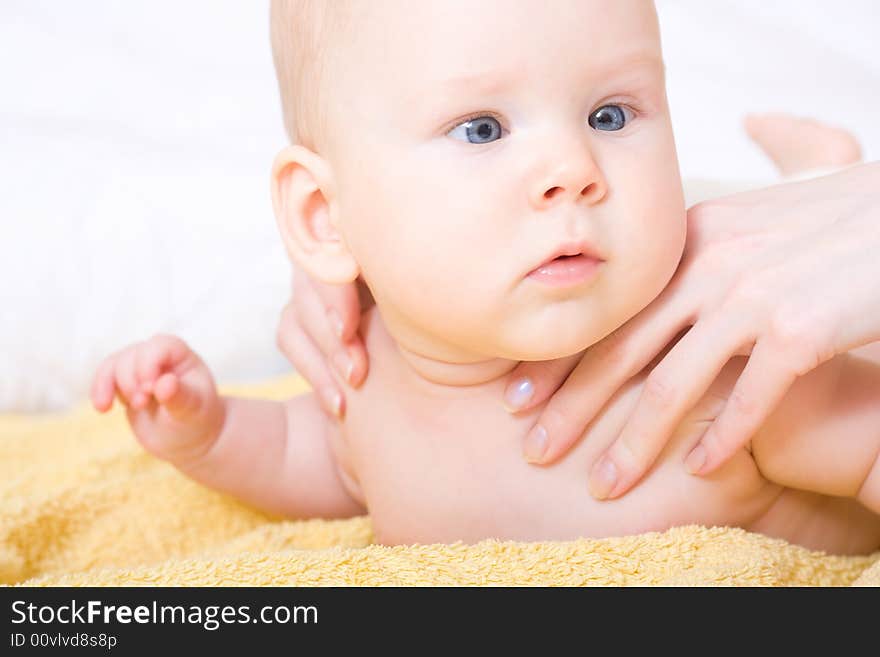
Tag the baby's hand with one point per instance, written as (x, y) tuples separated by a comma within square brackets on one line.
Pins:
[(170, 396)]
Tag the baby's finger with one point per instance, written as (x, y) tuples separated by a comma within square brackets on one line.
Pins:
[(103, 386), (126, 379), (670, 391), (761, 386), (317, 325), (310, 363), (156, 355), (178, 398), (147, 367)]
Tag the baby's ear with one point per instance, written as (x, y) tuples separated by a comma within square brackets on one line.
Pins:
[(306, 211)]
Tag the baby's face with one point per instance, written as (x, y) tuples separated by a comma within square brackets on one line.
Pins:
[(475, 140)]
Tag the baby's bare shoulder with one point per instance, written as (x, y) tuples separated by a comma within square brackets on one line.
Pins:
[(823, 436)]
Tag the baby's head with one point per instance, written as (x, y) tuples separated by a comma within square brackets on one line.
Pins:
[(444, 150)]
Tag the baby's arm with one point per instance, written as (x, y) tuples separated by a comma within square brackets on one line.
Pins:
[(273, 455), (825, 435)]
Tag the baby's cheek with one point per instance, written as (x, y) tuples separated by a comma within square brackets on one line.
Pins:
[(645, 262), (664, 225), (671, 244), (434, 288)]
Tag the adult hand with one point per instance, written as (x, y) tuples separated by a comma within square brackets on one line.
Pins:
[(318, 327), (788, 274)]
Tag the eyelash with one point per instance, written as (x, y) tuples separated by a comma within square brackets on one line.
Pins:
[(636, 112)]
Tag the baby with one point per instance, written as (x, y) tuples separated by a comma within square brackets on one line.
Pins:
[(503, 177)]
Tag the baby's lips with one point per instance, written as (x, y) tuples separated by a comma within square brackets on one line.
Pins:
[(569, 249)]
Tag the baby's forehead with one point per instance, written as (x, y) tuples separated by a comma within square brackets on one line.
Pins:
[(458, 42)]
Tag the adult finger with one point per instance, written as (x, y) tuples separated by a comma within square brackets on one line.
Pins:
[(605, 367), (348, 362), (309, 361), (342, 307), (288, 324), (759, 389), (330, 316), (670, 391), (531, 382)]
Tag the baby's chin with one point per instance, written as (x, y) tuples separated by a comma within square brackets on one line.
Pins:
[(557, 330), (548, 352), (552, 342)]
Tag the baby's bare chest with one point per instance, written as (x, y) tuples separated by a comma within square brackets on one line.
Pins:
[(447, 469)]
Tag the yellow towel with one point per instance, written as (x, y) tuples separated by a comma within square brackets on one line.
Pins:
[(82, 504)]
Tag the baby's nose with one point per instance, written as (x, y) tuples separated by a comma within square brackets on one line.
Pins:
[(576, 179), (591, 191)]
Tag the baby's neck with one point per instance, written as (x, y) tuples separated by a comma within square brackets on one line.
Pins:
[(429, 372), (456, 374)]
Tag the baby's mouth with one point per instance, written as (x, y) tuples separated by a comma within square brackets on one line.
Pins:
[(567, 270), (569, 264)]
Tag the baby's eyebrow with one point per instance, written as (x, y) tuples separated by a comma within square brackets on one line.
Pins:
[(493, 82), (483, 81), (645, 61)]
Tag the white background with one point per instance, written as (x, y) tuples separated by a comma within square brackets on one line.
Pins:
[(136, 140)]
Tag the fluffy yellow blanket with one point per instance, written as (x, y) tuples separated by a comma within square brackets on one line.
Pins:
[(82, 504)]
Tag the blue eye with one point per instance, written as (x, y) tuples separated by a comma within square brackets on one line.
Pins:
[(608, 117), (479, 130)]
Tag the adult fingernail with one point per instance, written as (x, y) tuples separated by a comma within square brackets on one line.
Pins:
[(344, 365), (335, 322), (696, 459), (334, 401), (603, 479), (518, 394), (535, 444)]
